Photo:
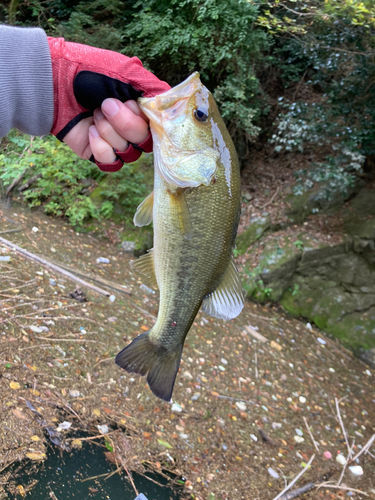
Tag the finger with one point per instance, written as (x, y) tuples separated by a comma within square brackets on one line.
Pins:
[(102, 151), (108, 133), (130, 126), (77, 138), (133, 106)]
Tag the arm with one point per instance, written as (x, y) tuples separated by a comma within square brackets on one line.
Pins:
[(26, 89), (56, 86)]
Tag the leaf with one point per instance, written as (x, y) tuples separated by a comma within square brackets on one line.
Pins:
[(35, 438), (14, 385), (96, 412), (36, 456), (19, 414), (108, 446), (165, 444), (77, 442), (111, 456)]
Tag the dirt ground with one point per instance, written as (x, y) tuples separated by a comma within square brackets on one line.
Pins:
[(255, 400)]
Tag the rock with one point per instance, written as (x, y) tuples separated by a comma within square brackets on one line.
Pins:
[(316, 200), (258, 226), (128, 246)]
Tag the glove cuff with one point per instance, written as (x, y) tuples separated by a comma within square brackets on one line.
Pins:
[(132, 153)]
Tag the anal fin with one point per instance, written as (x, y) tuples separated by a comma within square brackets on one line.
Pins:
[(226, 302)]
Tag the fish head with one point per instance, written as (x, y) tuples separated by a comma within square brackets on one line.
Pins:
[(185, 123)]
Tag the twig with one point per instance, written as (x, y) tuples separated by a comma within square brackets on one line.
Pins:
[(127, 472), (113, 473), (30, 282), (365, 448), (295, 479), (94, 477), (271, 200), (11, 231), (255, 334), (18, 179), (312, 437), (344, 468), (307, 487), (58, 269), (98, 436), (29, 182), (325, 485), (78, 272), (236, 399), (68, 340), (80, 318), (342, 427)]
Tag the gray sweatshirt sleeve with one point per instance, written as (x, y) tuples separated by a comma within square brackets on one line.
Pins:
[(26, 86)]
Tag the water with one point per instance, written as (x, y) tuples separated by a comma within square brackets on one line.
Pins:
[(66, 476)]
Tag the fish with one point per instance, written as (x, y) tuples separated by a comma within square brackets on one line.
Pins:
[(195, 210)]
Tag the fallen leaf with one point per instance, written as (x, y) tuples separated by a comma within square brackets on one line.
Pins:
[(96, 412), (111, 456), (36, 456), (35, 438), (165, 444), (147, 435), (21, 490), (14, 385), (275, 345), (77, 442), (19, 414)]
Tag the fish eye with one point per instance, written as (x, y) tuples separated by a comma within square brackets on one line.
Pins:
[(201, 114)]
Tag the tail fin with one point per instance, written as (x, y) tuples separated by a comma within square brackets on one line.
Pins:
[(143, 356)]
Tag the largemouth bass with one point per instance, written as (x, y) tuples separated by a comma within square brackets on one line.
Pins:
[(195, 208)]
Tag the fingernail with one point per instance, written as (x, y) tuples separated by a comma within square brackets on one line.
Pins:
[(98, 115), (93, 132), (110, 107)]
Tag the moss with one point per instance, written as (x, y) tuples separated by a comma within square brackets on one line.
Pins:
[(258, 226)]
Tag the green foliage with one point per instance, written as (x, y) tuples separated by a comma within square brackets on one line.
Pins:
[(216, 38), (299, 244), (334, 57), (249, 53), (66, 180)]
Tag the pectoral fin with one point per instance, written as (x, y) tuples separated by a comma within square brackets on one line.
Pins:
[(146, 268), (179, 204), (226, 302), (144, 213)]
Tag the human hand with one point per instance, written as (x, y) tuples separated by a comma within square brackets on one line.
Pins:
[(84, 78), (111, 128)]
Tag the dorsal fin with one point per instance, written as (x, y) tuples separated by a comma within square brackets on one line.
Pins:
[(146, 268), (144, 214), (226, 302)]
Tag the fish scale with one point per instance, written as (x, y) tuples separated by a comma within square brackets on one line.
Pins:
[(195, 211)]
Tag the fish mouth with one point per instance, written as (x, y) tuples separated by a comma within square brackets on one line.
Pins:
[(168, 99)]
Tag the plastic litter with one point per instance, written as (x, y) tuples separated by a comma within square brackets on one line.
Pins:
[(273, 473), (147, 289), (356, 470), (102, 260), (141, 497), (4, 258)]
